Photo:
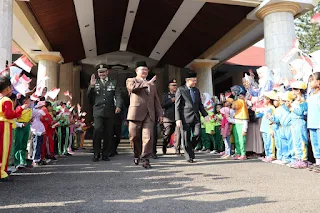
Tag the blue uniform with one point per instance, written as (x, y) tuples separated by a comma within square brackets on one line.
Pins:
[(313, 123), (266, 130), (299, 130), (276, 128), (282, 117)]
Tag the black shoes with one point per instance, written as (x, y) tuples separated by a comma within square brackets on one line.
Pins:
[(154, 156), (146, 164), (112, 155), (105, 159), (136, 161), (95, 159), (190, 161)]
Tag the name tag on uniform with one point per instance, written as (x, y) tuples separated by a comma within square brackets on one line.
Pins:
[(111, 88)]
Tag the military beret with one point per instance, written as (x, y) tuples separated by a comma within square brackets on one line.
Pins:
[(191, 75), (172, 81), (102, 67), (141, 64)]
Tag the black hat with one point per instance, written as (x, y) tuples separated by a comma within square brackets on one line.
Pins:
[(191, 75), (173, 81), (102, 67), (141, 64)]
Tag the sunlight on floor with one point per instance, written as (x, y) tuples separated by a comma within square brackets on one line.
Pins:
[(49, 204)]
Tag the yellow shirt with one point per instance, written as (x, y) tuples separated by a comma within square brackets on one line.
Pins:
[(25, 116), (241, 110)]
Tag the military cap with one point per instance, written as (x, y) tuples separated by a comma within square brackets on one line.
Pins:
[(141, 64), (191, 75), (102, 67), (172, 81)]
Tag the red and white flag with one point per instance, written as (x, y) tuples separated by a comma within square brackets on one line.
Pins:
[(53, 93), (25, 79), (84, 114), (316, 18), (292, 52), (79, 108), (41, 85), (24, 63), (66, 93), (34, 97), (14, 71)]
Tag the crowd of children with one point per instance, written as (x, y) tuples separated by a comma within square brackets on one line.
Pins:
[(289, 123), (40, 130)]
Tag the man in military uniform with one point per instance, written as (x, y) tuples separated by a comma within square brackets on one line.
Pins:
[(103, 94), (169, 124)]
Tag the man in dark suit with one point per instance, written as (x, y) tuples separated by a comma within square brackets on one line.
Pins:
[(105, 97), (169, 125), (187, 107)]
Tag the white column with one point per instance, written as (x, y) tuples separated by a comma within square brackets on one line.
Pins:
[(279, 35), (48, 66), (203, 68), (65, 81), (6, 16), (76, 99)]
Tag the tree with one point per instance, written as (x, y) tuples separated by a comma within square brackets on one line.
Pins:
[(308, 33)]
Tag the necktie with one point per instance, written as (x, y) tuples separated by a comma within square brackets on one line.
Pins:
[(192, 95)]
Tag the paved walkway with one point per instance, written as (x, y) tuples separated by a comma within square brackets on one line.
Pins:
[(75, 184)]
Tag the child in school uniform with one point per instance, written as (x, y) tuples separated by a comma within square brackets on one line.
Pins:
[(299, 109), (313, 122), (218, 141), (266, 127), (7, 116), (38, 131), (225, 132)]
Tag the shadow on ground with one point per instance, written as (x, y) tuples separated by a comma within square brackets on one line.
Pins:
[(75, 184)]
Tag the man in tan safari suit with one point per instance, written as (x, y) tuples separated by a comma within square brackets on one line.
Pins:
[(144, 106)]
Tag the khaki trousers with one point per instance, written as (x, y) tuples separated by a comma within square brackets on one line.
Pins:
[(141, 136)]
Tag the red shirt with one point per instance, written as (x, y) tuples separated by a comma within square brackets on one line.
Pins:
[(47, 119)]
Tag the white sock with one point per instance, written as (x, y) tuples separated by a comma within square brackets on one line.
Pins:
[(317, 161)]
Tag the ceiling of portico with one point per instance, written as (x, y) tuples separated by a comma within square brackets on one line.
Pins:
[(159, 31)]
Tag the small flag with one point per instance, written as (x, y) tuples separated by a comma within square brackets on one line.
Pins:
[(14, 71), (71, 109), (66, 93), (84, 114), (34, 97), (25, 79), (316, 18), (53, 93), (79, 108), (292, 51), (24, 63)]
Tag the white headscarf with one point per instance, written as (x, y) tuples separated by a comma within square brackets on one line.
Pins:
[(315, 56), (266, 81), (303, 69)]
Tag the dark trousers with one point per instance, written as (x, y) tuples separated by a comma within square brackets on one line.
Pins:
[(103, 129), (168, 130), (190, 137), (37, 147), (155, 135), (117, 129)]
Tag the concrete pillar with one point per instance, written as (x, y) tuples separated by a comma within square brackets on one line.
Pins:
[(65, 81), (279, 35), (48, 66), (6, 16), (76, 93), (203, 68)]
